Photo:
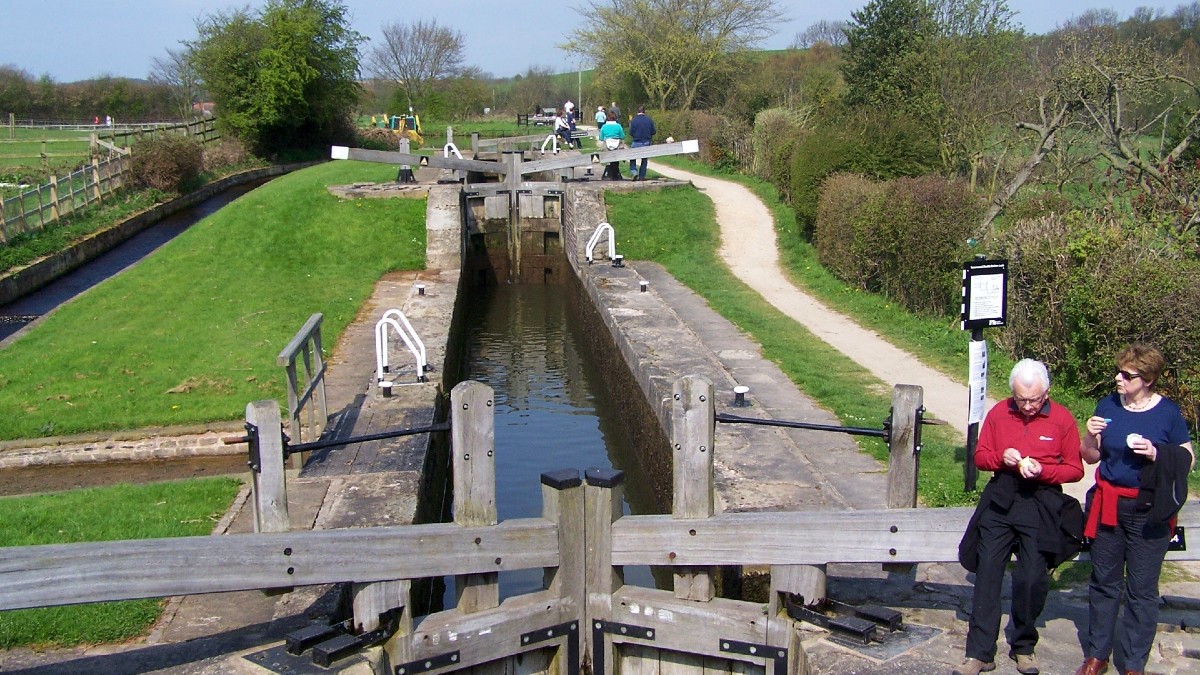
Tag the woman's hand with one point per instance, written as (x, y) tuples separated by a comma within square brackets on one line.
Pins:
[(1096, 424), (1144, 447)]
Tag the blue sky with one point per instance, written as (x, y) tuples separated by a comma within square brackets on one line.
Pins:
[(89, 38)]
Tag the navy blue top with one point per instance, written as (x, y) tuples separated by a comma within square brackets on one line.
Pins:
[(1162, 423), (641, 128)]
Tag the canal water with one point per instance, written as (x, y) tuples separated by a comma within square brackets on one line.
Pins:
[(552, 412)]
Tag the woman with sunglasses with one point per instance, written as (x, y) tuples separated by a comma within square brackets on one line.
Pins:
[(1135, 433)]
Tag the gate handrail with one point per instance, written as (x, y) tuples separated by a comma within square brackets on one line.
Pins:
[(306, 344), (595, 238), (396, 319)]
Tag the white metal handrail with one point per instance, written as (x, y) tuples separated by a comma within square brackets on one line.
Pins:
[(396, 319), (449, 148), (612, 241), (552, 138)]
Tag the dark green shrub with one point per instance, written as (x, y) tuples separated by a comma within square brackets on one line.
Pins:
[(925, 225), (167, 162), (872, 143), (846, 235)]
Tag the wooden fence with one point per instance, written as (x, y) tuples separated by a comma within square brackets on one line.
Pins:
[(584, 616), (39, 207), (307, 408)]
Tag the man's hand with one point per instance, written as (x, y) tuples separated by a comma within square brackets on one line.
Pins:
[(1029, 468), (1011, 457)]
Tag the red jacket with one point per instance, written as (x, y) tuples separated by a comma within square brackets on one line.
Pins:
[(1051, 437)]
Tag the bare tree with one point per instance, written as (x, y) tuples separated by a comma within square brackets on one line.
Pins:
[(176, 72), (673, 48), (832, 33), (416, 56)]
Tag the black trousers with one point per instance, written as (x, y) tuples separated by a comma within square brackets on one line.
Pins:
[(999, 530)]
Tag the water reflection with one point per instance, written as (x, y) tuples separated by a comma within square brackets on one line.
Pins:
[(524, 341)]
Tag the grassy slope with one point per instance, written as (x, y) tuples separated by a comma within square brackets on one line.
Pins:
[(191, 334), (177, 509)]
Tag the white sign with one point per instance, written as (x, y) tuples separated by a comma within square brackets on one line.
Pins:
[(977, 382), (987, 297)]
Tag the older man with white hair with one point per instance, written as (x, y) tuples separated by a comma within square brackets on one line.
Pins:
[(1031, 445)]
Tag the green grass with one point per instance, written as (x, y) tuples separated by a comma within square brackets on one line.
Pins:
[(191, 334), (177, 509), (683, 237)]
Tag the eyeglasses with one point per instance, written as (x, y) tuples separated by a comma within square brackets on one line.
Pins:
[(1037, 400), (1128, 376)]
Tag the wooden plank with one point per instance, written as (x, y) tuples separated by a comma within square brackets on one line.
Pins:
[(692, 432), (65, 574), (370, 601), (436, 161), (696, 628), (268, 482), (637, 660), (473, 443), (902, 449), (810, 537), (806, 580), (584, 159), (482, 637)]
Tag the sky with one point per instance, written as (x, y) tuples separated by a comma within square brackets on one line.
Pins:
[(85, 39)]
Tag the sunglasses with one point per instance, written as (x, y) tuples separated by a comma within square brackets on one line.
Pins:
[(1128, 376)]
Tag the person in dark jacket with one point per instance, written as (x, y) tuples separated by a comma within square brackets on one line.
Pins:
[(1032, 447), (1135, 434), (641, 130)]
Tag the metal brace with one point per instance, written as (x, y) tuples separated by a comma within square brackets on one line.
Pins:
[(570, 630), (779, 655)]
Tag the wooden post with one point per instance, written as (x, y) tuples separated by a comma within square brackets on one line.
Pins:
[(473, 442), (692, 432), (96, 175), (903, 453), (12, 125), (269, 488), (53, 198), (562, 502), (474, 141), (602, 497), (372, 600)]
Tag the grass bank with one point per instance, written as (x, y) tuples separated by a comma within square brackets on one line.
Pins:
[(678, 229), (191, 334), (177, 509)]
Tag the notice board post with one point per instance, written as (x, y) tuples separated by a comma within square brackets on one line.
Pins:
[(984, 304)]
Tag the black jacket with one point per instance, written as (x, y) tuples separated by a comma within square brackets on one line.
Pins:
[(1164, 486), (1060, 532)]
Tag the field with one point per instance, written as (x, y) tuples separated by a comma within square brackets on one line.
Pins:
[(43, 147)]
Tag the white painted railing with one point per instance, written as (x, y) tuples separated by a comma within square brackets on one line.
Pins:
[(398, 322), (595, 239)]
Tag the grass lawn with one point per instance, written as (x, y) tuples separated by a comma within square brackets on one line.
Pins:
[(677, 228), (190, 335), (176, 509)]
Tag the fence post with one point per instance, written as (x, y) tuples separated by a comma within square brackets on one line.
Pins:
[(472, 445), (602, 497), (562, 502), (903, 449), (96, 176), (266, 450), (53, 198), (12, 126), (693, 427), (3, 223)]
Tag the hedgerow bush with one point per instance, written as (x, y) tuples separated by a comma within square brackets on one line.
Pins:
[(687, 124), (846, 235), (925, 224), (906, 237), (167, 162), (1082, 287), (374, 138), (227, 153), (772, 126)]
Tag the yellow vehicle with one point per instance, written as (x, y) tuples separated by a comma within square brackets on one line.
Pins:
[(407, 125)]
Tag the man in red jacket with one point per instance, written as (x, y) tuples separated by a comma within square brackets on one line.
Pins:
[(1031, 445)]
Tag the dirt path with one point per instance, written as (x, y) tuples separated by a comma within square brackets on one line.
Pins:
[(748, 247)]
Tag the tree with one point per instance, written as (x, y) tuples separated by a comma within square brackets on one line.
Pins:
[(832, 33), (885, 61), (284, 76), (673, 48), (176, 73), (416, 56)]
